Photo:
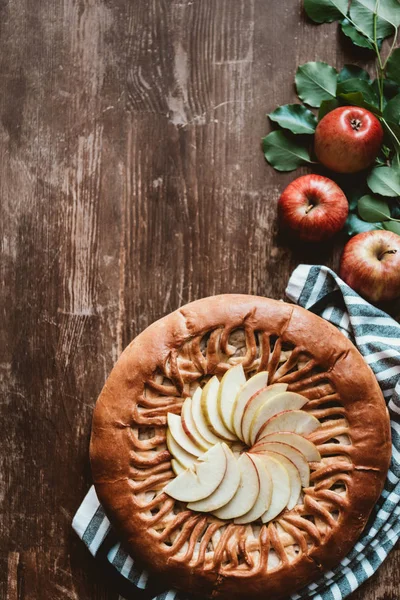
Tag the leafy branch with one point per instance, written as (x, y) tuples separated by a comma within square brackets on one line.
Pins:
[(367, 23)]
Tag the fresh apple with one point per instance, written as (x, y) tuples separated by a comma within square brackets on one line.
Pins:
[(189, 426), (348, 139), (199, 419), (370, 264), (273, 406), (313, 208), (297, 421), (263, 501), (307, 448), (229, 387), (297, 458), (280, 487), (202, 479), (177, 467), (247, 492), (180, 437), (251, 387), (294, 478), (255, 403), (184, 458), (209, 406), (226, 489)]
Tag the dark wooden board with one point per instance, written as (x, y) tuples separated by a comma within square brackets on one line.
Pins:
[(131, 182)]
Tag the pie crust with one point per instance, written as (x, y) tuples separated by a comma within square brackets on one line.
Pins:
[(131, 465)]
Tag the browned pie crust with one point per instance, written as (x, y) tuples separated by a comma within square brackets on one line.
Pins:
[(154, 375)]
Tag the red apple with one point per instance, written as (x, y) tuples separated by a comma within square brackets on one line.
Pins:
[(314, 208), (348, 139), (370, 264)]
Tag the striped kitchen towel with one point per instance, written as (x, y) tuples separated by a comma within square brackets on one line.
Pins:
[(377, 337)]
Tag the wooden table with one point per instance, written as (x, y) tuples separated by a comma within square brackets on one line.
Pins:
[(132, 181)]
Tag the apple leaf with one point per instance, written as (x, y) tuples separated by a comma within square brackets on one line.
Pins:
[(326, 107), (358, 85), (353, 72), (373, 209), (356, 37), (362, 14), (357, 99), (384, 181), (392, 110), (353, 194), (326, 11), (393, 66), (284, 152), (392, 226), (356, 225), (390, 11), (295, 117), (315, 82)]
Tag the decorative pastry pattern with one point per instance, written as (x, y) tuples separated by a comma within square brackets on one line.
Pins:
[(195, 538), (253, 461)]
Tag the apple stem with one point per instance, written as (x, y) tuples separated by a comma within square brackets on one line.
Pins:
[(356, 124), (309, 207), (386, 252)]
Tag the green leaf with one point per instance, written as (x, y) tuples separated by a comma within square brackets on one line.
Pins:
[(356, 37), (353, 72), (295, 117), (326, 107), (362, 14), (325, 11), (284, 152), (358, 85), (315, 82), (384, 181), (390, 89), (356, 225), (392, 110), (392, 226), (390, 11), (393, 66), (353, 195), (373, 209), (392, 137), (357, 99)]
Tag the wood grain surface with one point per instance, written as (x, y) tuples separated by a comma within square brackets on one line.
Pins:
[(131, 182)]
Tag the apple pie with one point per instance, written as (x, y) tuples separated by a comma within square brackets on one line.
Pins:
[(239, 446)]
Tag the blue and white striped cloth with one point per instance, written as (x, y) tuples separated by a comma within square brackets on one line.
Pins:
[(377, 336)]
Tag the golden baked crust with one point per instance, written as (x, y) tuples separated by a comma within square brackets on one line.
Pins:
[(130, 462)]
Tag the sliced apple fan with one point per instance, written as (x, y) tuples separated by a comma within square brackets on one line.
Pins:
[(238, 448)]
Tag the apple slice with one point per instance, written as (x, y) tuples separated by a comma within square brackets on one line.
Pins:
[(177, 432), (251, 387), (296, 441), (297, 421), (254, 403), (199, 419), (294, 478), (297, 458), (184, 458), (265, 494), (280, 487), (189, 426), (177, 467), (275, 405), (209, 406), (225, 491), (229, 387), (247, 492), (202, 479)]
